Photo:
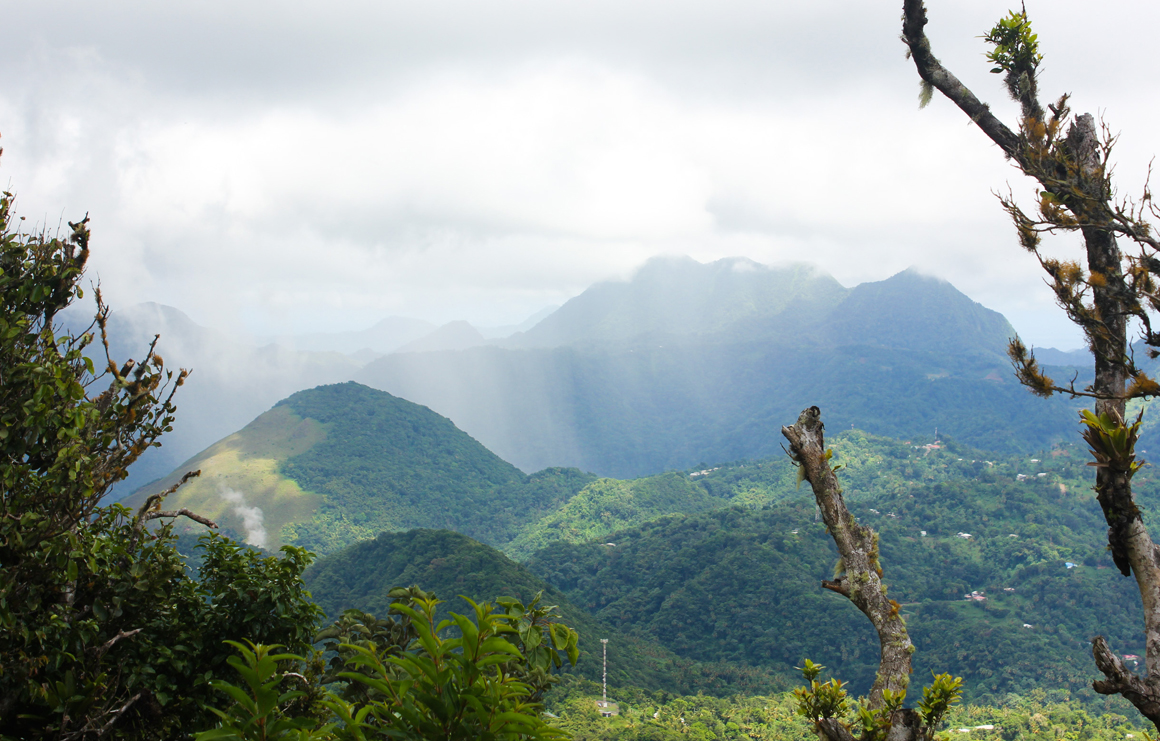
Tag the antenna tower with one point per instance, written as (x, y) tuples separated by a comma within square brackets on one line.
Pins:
[(604, 676)]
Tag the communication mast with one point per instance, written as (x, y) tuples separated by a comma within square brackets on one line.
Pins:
[(604, 675)]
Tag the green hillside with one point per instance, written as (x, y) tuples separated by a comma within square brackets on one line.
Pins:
[(742, 585), (337, 464), (450, 565), (607, 505)]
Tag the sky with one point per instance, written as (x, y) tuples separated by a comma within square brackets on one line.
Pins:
[(310, 166)]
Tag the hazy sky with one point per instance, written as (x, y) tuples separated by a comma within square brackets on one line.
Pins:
[(322, 165)]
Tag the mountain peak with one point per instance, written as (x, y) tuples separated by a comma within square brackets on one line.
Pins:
[(456, 335), (913, 310), (676, 296)]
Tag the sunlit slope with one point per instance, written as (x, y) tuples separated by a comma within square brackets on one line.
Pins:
[(608, 505), (232, 383), (336, 464), (240, 478)]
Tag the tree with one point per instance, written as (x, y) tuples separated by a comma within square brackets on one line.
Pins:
[(102, 630), (406, 678), (1104, 293), (858, 578)]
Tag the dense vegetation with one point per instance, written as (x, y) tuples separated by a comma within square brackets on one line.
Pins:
[(388, 464), (336, 464), (103, 631), (450, 564), (1040, 715), (753, 574)]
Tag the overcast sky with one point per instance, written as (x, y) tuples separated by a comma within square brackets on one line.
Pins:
[(293, 165)]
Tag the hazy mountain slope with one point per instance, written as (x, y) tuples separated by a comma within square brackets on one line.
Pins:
[(457, 335), (689, 362), (335, 464), (679, 297), (506, 330), (385, 336), (637, 412), (450, 565), (231, 383), (753, 575), (917, 312)]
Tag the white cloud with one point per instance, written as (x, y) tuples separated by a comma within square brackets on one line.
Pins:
[(321, 165), (252, 517)]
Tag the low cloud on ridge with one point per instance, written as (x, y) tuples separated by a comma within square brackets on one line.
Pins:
[(252, 517)]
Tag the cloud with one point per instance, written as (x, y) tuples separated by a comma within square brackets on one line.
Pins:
[(313, 166), (251, 516)]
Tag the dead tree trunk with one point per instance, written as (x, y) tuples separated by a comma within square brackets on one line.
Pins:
[(861, 579), (1101, 297)]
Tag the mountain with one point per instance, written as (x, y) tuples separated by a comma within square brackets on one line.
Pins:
[(680, 298), (917, 312), (683, 363), (688, 361), (450, 565), (335, 464), (506, 330), (1081, 358), (458, 335), (385, 336), (900, 357), (230, 384)]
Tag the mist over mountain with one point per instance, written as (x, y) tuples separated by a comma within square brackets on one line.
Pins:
[(385, 336), (678, 297), (457, 335), (682, 364), (335, 464), (689, 362), (506, 330), (231, 381)]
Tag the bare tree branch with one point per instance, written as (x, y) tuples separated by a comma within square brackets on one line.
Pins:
[(180, 513), (932, 72), (1100, 295), (1143, 692), (858, 547)]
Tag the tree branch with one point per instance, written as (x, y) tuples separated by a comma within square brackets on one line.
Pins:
[(932, 72), (1141, 692), (180, 513), (858, 547)]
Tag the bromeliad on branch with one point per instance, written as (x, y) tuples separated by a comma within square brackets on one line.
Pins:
[(1104, 293)]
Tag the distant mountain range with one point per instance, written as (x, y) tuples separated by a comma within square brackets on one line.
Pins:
[(684, 363), (690, 362)]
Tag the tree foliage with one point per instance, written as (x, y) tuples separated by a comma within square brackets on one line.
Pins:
[(102, 630), (409, 676)]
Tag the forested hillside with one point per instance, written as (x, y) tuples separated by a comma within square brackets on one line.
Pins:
[(995, 529), (452, 565), (337, 464)]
